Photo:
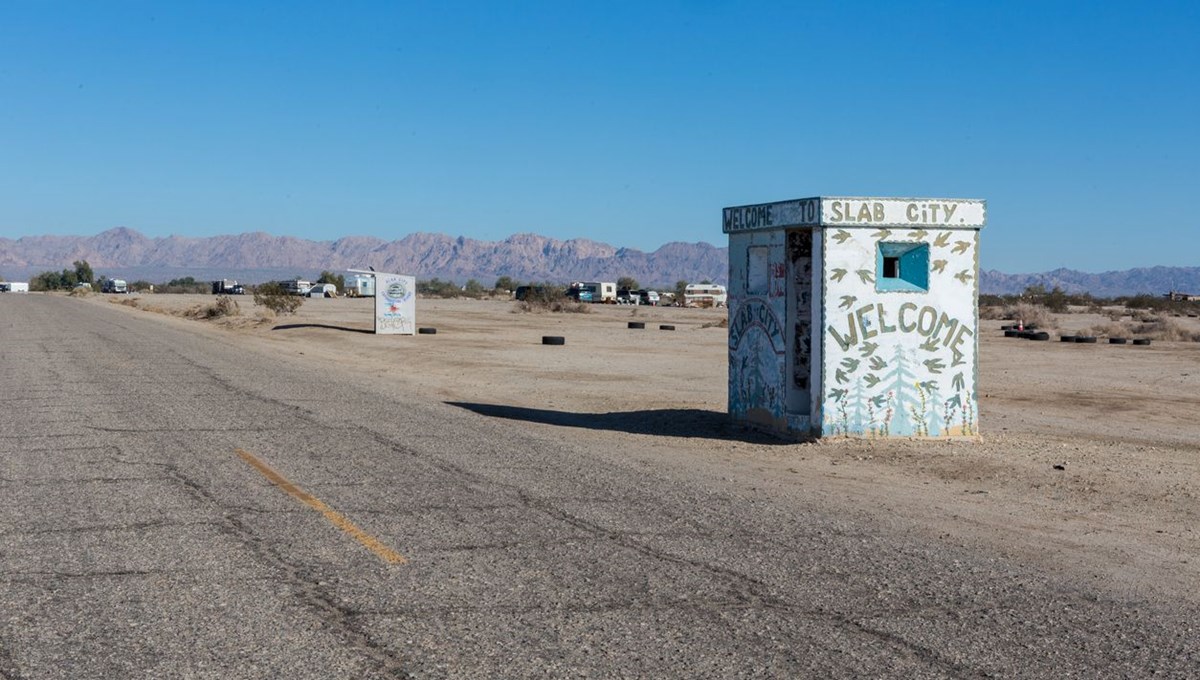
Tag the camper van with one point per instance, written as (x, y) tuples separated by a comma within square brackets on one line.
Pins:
[(594, 291), (704, 295), (114, 286)]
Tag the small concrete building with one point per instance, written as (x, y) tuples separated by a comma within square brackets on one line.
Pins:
[(853, 316)]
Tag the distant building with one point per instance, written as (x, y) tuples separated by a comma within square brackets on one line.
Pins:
[(1175, 296)]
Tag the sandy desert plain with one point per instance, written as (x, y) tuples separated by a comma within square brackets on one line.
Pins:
[(1122, 422)]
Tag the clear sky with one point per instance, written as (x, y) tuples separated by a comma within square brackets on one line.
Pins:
[(631, 123)]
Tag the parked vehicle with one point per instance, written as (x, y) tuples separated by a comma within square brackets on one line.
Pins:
[(322, 290), (628, 297), (648, 297), (83, 285), (705, 295), (14, 286), (360, 285), (296, 287), (594, 291), (228, 287), (527, 292), (114, 286)]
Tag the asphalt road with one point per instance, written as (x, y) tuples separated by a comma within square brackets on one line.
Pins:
[(142, 535)]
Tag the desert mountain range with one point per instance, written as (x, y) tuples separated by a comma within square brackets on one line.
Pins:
[(257, 256)]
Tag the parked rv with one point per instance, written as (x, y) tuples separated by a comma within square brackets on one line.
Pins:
[(705, 295), (14, 286), (360, 285), (593, 291)]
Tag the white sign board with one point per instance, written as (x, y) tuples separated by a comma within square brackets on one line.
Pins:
[(395, 304), (852, 211)]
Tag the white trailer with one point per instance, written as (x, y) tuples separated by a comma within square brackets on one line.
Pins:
[(14, 286), (594, 291), (361, 285), (705, 295)]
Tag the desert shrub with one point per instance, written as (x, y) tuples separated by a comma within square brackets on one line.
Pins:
[(1114, 329), (1166, 330), (1031, 315), (80, 292), (222, 306), (275, 298), (723, 323), (992, 312)]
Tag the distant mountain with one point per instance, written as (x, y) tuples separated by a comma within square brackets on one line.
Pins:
[(1154, 280), (255, 257)]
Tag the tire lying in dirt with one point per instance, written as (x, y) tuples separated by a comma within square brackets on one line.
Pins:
[(1116, 341), (427, 331), (1008, 328), (637, 324), (1039, 336), (1086, 339), (1066, 338), (1010, 334), (665, 327), (553, 340), (1142, 342)]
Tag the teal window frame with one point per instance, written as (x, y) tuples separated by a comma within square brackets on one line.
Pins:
[(913, 260)]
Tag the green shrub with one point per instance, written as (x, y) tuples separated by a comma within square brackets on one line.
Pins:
[(275, 298)]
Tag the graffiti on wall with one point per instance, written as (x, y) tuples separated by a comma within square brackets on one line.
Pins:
[(900, 362), (757, 343)]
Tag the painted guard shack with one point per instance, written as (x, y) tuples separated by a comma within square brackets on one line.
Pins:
[(853, 316)]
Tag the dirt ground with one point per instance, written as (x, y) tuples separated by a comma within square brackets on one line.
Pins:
[(1122, 423)]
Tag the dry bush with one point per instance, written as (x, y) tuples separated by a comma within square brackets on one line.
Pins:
[(1115, 329), (723, 323), (127, 301), (80, 292), (538, 306), (1032, 315), (992, 312), (1167, 331), (275, 298), (223, 306)]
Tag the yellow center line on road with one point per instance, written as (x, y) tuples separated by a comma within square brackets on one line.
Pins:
[(339, 520)]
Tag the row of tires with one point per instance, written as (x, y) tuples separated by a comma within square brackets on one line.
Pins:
[(637, 325), (1078, 339)]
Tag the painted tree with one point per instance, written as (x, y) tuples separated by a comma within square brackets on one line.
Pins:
[(902, 381)]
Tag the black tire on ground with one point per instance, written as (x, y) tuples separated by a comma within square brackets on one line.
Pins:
[(427, 331), (1116, 341), (665, 327), (553, 340), (1039, 336), (1010, 334), (1067, 338), (1026, 335), (1008, 328), (1142, 341), (637, 324), (1086, 339)]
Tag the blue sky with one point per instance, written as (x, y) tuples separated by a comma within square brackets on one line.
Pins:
[(631, 123)]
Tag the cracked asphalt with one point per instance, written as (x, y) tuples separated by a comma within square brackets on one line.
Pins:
[(135, 543)]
